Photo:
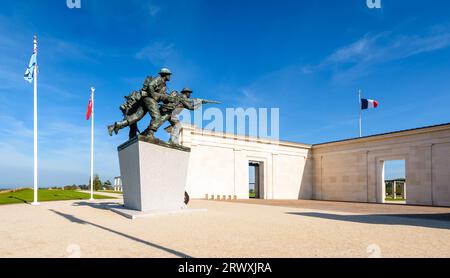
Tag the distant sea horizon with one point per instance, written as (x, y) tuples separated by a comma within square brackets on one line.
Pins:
[(14, 186), (20, 186), (2, 187)]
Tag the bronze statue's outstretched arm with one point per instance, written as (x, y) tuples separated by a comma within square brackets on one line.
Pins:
[(207, 101)]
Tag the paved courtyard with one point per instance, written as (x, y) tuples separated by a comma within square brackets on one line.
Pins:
[(251, 229)]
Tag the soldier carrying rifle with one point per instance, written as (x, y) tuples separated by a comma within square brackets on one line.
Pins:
[(162, 107), (170, 110), (139, 103)]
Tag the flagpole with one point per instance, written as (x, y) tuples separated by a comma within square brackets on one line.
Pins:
[(92, 144), (360, 114), (35, 199)]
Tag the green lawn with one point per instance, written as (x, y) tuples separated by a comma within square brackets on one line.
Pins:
[(110, 191), (399, 199), (26, 196)]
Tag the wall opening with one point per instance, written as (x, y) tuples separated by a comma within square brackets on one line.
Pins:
[(256, 189), (394, 175)]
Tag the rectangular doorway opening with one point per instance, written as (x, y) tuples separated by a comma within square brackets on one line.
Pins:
[(395, 181), (255, 180)]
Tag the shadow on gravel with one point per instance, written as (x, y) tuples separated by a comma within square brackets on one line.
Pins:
[(17, 198), (102, 206), (77, 220), (437, 221)]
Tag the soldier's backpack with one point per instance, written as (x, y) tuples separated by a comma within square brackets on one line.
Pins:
[(147, 82), (133, 99)]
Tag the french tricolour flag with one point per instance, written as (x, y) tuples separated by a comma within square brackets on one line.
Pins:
[(368, 103)]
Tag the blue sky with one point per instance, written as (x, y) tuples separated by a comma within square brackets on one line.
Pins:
[(394, 169), (307, 58)]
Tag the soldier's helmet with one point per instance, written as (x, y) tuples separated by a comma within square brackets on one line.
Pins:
[(165, 71), (186, 91)]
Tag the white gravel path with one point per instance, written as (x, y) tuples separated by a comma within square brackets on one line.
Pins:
[(81, 229)]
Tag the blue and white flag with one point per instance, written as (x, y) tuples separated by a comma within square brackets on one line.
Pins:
[(29, 73)]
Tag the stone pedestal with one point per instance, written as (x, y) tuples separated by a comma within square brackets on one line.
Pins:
[(154, 175)]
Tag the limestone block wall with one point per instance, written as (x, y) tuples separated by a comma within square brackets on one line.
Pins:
[(219, 166), (441, 173), (341, 176), (211, 176), (292, 177), (352, 170)]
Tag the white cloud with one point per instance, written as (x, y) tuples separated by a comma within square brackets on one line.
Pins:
[(152, 9), (157, 53), (357, 58), (247, 97), (64, 149), (355, 52), (12, 127), (387, 47)]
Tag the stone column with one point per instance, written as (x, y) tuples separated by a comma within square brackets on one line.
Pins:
[(404, 191), (394, 190)]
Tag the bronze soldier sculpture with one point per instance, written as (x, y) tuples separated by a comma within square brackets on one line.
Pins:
[(170, 111), (139, 103), (153, 98)]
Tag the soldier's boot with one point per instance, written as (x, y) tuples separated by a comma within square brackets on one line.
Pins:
[(175, 134), (117, 126), (171, 142), (111, 129), (133, 131), (150, 134)]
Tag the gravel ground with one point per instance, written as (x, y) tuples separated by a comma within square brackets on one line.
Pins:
[(228, 229)]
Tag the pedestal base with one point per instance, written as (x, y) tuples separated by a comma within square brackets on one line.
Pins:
[(154, 175), (134, 214)]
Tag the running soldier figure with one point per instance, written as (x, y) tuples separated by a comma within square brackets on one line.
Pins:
[(139, 103), (170, 111)]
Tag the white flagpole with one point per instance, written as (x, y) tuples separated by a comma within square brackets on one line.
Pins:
[(92, 144), (35, 202), (360, 115)]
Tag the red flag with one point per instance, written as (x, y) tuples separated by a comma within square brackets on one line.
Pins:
[(89, 111)]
